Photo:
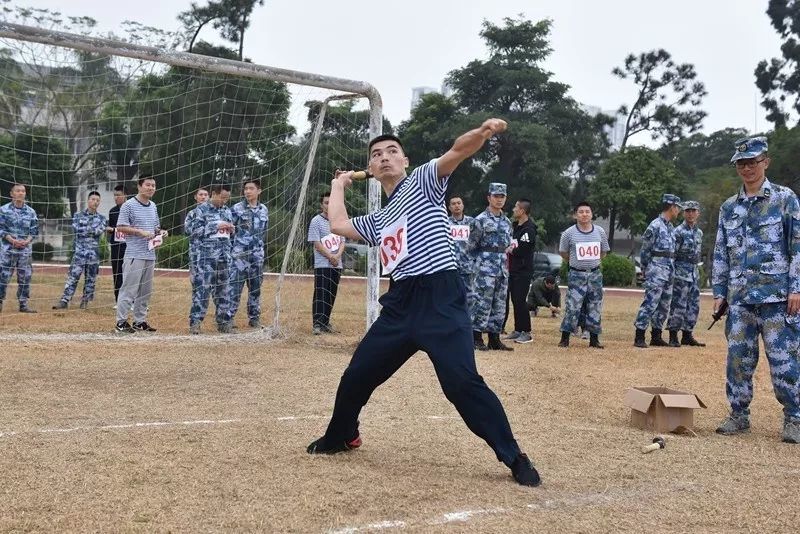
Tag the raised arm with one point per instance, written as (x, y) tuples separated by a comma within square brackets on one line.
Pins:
[(337, 212), (467, 144)]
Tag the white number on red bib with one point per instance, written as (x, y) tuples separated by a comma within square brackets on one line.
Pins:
[(459, 232), (119, 237), (331, 242), (394, 244), (587, 251)]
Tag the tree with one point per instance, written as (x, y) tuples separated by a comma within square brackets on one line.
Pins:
[(779, 78), (629, 186), (230, 17), (700, 151), (40, 161), (784, 153), (668, 98), (548, 131)]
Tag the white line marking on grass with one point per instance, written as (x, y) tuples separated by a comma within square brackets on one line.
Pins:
[(299, 417), (594, 498), (375, 526), (124, 426)]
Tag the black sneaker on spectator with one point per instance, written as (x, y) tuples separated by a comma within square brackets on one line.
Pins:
[(26, 309), (124, 328), (328, 329), (62, 305), (143, 327)]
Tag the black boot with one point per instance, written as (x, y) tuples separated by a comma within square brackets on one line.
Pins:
[(477, 339), (564, 340), (688, 339), (639, 341), (594, 341), (656, 340), (496, 344), (673, 339)]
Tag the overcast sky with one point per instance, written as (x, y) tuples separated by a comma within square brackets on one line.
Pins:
[(399, 45)]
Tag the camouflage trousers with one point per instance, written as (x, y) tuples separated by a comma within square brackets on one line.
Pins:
[(685, 305), (780, 334), (250, 270), (467, 279), (657, 297), (209, 276), (584, 301), (89, 271), (22, 263), (488, 308)]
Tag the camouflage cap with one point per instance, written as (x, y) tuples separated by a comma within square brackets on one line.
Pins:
[(496, 188), (691, 205), (749, 148), (668, 198)]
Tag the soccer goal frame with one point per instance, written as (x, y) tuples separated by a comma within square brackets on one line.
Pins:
[(350, 88)]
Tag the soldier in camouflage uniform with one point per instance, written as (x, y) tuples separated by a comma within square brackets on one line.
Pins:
[(251, 220), (489, 242), (657, 259), (757, 272), (200, 197), (686, 286), (459, 231), (213, 227), (18, 226), (88, 226)]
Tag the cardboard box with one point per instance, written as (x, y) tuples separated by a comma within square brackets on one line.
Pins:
[(661, 409)]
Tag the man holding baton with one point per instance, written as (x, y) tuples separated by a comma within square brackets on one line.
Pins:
[(757, 273), (425, 307)]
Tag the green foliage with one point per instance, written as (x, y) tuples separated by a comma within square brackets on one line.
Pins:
[(784, 153), (668, 97), (42, 251), (300, 259), (548, 132), (41, 162), (700, 151), (564, 272), (711, 187), (779, 78), (173, 253), (618, 271), (629, 186)]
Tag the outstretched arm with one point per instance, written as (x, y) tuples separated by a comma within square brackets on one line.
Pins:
[(467, 144)]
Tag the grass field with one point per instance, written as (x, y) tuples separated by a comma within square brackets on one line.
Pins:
[(208, 433)]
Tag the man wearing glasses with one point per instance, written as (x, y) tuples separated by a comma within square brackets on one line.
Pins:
[(757, 272)]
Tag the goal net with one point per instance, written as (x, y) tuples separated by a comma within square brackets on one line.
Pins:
[(80, 114)]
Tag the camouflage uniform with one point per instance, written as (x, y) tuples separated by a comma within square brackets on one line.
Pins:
[(463, 258), (212, 263), (489, 238), (88, 228), (658, 250), (756, 266), (19, 223), (248, 257), (194, 241), (686, 287)]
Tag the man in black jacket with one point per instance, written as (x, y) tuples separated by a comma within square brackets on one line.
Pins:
[(116, 239), (521, 270)]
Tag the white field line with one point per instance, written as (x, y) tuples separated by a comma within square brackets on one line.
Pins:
[(255, 336), (581, 500), (195, 422)]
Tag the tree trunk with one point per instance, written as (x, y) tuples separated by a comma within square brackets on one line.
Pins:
[(612, 224), (72, 196)]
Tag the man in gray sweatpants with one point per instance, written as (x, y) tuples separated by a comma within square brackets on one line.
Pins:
[(138, 220)]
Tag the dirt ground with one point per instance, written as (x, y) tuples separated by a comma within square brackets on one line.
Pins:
[(208, 433)]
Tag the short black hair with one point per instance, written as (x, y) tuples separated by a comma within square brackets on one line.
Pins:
[(455, 196), (201, 188), (525, 204), (324, 195), (581, 204), (120, 188), (17, 184), (93, 194), (549, 279), (146, 176), (219, 188), (386, 137), (255, 181)]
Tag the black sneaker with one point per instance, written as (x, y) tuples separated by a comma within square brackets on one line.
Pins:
[(143, 327), (524, 472), (320, 446), (62, 305), (124, 328), (26, 309)]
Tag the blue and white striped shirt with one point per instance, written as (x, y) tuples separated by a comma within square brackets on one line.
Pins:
[(419, 197), (144, 217)]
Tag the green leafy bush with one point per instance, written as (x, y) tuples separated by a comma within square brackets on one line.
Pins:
[(618, 271), (173, 252)]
